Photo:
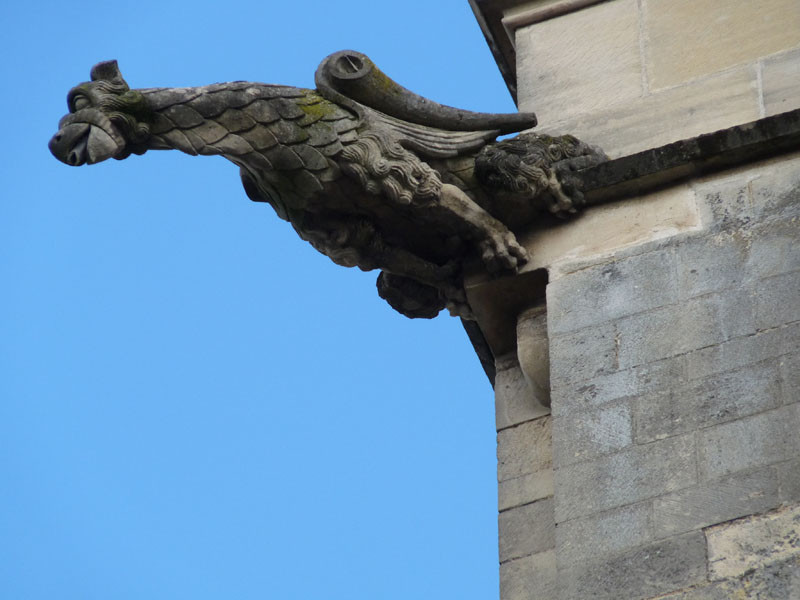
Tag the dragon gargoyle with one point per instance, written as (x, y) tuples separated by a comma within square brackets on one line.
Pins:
[(369, 173)]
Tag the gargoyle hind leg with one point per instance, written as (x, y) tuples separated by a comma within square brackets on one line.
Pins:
[(498, 246)]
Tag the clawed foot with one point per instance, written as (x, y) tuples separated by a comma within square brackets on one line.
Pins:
[(501, 252)]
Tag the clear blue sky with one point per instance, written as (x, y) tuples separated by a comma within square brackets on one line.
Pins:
[(193, 402)]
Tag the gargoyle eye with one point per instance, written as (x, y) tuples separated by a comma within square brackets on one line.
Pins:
[(80, 102)]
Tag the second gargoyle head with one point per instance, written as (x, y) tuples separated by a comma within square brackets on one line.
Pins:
[(106, 119)]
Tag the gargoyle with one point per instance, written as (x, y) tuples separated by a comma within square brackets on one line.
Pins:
[(369, 173)]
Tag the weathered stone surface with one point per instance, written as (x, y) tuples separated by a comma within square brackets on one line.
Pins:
[(790, 378), (619, 288), (526, 530), (789, 480), (597, 538), (753, 542), (533, 351), (713, 400), (774, 249), (690, 38), (524, 489), (713, 502), (514, 401), (583, 354), (669, 115), (635, 474), (529, 577), (776, 192), (756, 441), (645, 572), (781, 82), (777, 581), (776, 304), (603, 68), (591, 434), (711, 263), (669, 331), (524, 449)]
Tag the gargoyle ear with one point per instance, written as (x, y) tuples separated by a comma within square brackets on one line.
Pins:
[(107, 71)]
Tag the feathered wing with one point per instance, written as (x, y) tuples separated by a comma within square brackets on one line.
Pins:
[(431, 142)]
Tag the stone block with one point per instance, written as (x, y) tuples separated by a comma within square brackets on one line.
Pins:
[(591, 434), (598, 537), (583, 354), (644, 572), (526, 530), (774, 249), (781, 82), (711, 263), (687, 39), (533, 352), (752, 442), (524, 489), (725, 204), (777, 581), (667, 116), (789, 480), (669, 331), (742, 351), (606, 292), (753, 542), (633, 475), (513, 399), (524, 449), (715, 501), (717, 399), (602, 68), (790, 378), (776, 302), (529, 577), (776, 192)]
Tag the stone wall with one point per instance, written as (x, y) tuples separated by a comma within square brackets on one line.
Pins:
[(635, 74), (675, 409)]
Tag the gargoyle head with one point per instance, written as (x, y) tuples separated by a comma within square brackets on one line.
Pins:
[(106, 119)]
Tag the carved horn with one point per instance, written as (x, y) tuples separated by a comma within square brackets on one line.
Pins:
[(353, 75), (108, 70)]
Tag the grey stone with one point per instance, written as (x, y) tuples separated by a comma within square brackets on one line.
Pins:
[(776, 193), (774, 249), (669, 331), (609, 291), (524, 449), (755, 441), (717, 399), (711, 263), (713, 502), (589, 395), (633, 475), (777, 581), (742, 351), (789, 480), (348, 164), (728, 204), (777, 303), (533, 351), (598, 537), (790, 378), (524, 489), (591, 434), (529, 577), (514, 402), (583, 354), (644, 572), (526, 530)]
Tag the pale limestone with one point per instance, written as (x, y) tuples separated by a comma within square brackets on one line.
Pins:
[(687, 39), (524, 449), (781, 82), (533, 353), (581, 62), (603, 230), (529, 577), (524, 489), (705, 105), (753, 542), (513, 399)]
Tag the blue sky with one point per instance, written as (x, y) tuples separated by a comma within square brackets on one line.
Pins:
[(193, 402)]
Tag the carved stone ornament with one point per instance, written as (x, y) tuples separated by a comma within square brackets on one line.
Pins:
[(371, 174)]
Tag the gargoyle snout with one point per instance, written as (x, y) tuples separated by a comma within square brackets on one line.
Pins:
[(76, 144)]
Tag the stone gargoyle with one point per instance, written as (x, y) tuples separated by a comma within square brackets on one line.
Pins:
[(371, 174)]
